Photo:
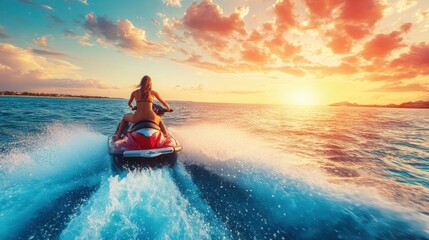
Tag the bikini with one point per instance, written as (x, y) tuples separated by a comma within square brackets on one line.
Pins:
[(150, 99)]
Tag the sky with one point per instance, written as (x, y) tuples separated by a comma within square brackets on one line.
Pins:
[(293, 52)]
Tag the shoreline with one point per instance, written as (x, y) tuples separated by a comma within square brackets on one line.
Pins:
[(375, 106), (49, 95), (411, 105)]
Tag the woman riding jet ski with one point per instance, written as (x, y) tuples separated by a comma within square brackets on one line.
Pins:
[(148, 137)]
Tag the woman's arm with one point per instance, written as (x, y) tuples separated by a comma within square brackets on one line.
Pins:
[(130, 102), (155, 94)]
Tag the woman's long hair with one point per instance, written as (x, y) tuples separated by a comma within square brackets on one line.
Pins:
[(146, 88)]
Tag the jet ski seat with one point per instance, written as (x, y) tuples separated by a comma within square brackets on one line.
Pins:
[(144, 124)]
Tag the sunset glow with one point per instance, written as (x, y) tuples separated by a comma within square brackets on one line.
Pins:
[(303, 98), (367, 51)]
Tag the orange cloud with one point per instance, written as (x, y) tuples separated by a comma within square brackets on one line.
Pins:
[(255, 36), (339, 43), (356, 32), (322, 8), (417, 59), (283, 11), (342, 69), (208, 17), (224, 40), (343, 22), (383, 44), (254, 54), (409, 65), (399, 87), (282, 48), (295, 41), (367, 12)]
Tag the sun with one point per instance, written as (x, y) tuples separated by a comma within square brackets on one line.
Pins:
[(303, 97)]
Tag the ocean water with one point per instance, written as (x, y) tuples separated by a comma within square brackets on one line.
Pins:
[(246, 172)]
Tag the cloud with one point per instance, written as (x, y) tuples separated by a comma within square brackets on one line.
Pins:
[(55, 19), (31, 3), (218, 37), (399, 87), (208, 17), (393, 76), (404, 5), (284, 12), (73, 83), (294, 71), (309, 38), (282, 48), (41, 41), (197, 61), (51, 54), (229, 66), (383, 44), (367, 12), (344, 22), (83, 40), (22, 70), (339, 43), (200, 87), (2, 35), (169, 26), (362, 13), (123, 35), (408, 65), (255, 36), (237, 92), (417, 59), (342, 69), (322, 9), (254, 54), (422, 14), (173, 3)]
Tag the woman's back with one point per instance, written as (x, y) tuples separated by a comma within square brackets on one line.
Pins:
[(144, 107)]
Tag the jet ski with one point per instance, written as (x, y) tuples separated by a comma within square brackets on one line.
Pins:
[(143, 142)]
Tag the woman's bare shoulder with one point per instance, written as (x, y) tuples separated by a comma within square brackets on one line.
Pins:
[(155, 93), (135, 92)]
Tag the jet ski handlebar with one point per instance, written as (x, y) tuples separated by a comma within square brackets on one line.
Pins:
[(157, 109)]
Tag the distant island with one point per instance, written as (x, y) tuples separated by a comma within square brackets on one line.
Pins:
[(418, 104), (11, 93)]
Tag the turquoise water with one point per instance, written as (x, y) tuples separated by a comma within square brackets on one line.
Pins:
[(246, 171)]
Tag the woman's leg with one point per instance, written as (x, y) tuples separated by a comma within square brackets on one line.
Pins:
[(163, 127), (127, 118)]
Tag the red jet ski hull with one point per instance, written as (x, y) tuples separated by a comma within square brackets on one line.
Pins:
[(143, 143)]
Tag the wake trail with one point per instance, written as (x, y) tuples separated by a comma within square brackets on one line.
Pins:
[(289, 190), (46, 177), (144, 204)]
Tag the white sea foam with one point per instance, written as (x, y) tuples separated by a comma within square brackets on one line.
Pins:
[(58, 150), (64, 157), (243, 157), (142, 204)]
